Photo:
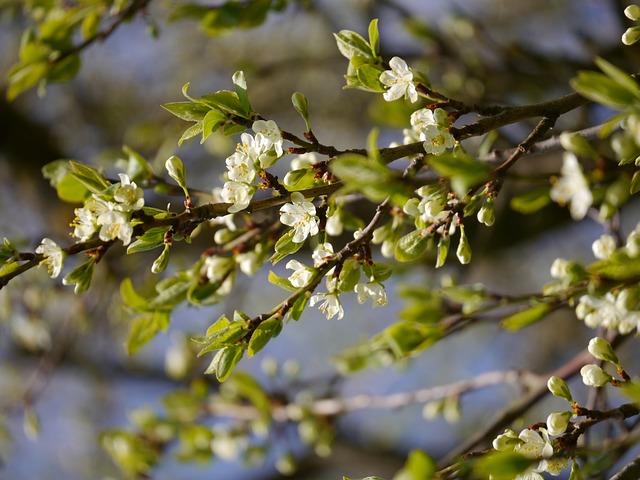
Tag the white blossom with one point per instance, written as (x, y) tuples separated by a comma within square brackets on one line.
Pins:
[(604, 247), (240, 167), (53, 256), (330, 305), (399, 80), (572, 188), (128, 195), (535, 444), (436, 139), (301, 275), (238, 193), (114, 225), (301, 215), (85, 224), (373, 290), (253, 147), (271, 134)]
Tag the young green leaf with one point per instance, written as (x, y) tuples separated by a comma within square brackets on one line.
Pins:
[(267, 330), (301, 104), (525, 317), (412, 245)]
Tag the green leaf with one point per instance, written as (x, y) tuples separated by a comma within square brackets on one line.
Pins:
[(80, 277), (171, 293), (298, 307), (351, 43), (281, 282), (369, 77), (212, 122), (285, 246), (267, 330), (89, 177), (300, 179), (224, 362), (532, 201), (192, 131), (602, 89), (25, 77), (635, 183), (240, 86), (412, 245), (378, 272), (224, 100), (246, 387), (617, 267), (138, 168), (72, 190), (526, 317), (419, 466), (349, 276), (409, 338), (374, 37), (189, 111), (226, 336), (152, 238), (144, 328), (619, 76), (301, 104), (503, 465), (462, 171), (370, 177), (131, 298)]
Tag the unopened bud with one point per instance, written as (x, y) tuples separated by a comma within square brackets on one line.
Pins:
[(464, 249), (558, 422), (594, 376), (559, 388), (602, 350)]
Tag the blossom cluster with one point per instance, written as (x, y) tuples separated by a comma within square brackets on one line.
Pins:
[(252, 154), (617, 309), (111, 217), (533, 444), (432, 127)]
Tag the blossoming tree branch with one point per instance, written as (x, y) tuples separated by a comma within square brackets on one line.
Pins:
[(427, 189)]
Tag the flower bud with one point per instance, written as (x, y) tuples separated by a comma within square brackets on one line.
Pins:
[(176, 170), (464, 249), (559, 388), (632, 12), (631, 36), (443, 250), (560, 268), (557, 423), (160, 264), (594, 376), (601, 349), (507, 441), (486, 213), (604, 247), (576, 144), (633, 244)]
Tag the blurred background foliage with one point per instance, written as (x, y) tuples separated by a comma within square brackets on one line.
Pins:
[(62, 358)]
